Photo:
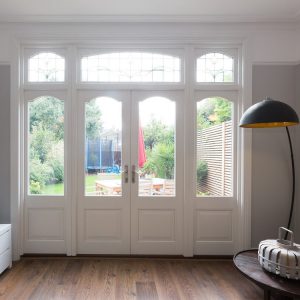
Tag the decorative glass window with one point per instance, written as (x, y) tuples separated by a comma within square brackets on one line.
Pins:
[(215, 67), (46, 67), (130, 67)]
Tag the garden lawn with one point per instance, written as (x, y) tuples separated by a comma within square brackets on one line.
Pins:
[(58, 188)]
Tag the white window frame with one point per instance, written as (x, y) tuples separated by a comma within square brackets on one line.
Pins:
[(231, 52), (83, 52), (189, 54), (29, 53)]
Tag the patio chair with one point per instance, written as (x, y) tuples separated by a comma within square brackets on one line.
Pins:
[(169, 188), (145, 188)]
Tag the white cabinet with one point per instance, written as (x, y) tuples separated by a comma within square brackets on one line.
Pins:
[(5, 247)]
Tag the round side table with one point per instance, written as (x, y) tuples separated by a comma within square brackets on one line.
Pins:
[(247, 263)]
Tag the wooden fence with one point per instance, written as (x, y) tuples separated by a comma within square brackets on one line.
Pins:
[(214, 146)]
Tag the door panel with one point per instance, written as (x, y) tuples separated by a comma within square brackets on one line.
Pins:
[(103, 188), (214, 186), (157, 192), (46, 212)]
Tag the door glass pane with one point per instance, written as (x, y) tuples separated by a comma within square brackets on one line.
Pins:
[(103, 147), (156, 147), (46, 146), (214, 147)]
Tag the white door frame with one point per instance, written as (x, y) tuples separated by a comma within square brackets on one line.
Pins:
[(245, 137)]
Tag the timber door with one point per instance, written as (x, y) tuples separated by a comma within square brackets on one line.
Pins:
[(130, 173), (156, 214), (103, 206)]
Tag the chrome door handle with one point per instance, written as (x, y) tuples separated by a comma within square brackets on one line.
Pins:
[(125, 173), (133, 172)]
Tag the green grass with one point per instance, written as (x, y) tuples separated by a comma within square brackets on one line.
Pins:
[(58, 188), (53, 189)]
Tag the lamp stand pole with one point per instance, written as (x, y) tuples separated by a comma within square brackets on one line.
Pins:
[(293, 173)]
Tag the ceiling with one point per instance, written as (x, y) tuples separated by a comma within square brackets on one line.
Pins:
[(164, 10)]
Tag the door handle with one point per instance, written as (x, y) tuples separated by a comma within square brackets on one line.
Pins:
[(133, 173), (125, 173)]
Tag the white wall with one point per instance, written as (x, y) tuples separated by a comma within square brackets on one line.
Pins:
[(5, 144), (271, 163), (267, 43), (5, 46)]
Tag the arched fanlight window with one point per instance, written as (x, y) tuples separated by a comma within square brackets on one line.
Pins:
[(46, 67), (215, 67), (130, 67)]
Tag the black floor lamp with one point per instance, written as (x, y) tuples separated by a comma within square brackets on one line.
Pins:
[(267, 114)]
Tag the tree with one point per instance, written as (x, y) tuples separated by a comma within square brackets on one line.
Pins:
[(93, 123), (48, 114), (223, 110), (155, 132), (46, 143), (41, 141), (213, 111)]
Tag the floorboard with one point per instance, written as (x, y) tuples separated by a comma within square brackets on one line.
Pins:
[(125, 278)]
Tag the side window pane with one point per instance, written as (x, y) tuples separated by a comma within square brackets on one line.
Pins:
[(103, 147), (215, 67), (156, 147), (130, 67), (46, 67), (46, 146), (214, 147)]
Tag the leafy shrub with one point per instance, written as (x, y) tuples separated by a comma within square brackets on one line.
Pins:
[(35, 187), (202, 170), (58, 170), (41, 173), (56, 161), (41, 143), (160, 161)]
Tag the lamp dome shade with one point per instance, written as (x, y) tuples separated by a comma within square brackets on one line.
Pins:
[(269, 113)]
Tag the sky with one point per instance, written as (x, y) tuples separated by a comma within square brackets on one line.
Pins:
[(158, 107)]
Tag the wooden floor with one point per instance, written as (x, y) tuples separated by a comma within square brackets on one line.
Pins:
[(125, 278)]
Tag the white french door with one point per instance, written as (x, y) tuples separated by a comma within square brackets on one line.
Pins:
[(112, 171), (157, 219), (215, 191), (128, 204), (103, 218)]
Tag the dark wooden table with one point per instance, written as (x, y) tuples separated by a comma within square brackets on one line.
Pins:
[(247, 263)]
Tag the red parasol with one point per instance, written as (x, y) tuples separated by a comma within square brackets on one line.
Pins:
[(142, 152)]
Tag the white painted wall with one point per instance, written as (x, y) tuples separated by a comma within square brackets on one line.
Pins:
[(5, 144), (5, 45), (271, 163), (268, 43)]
